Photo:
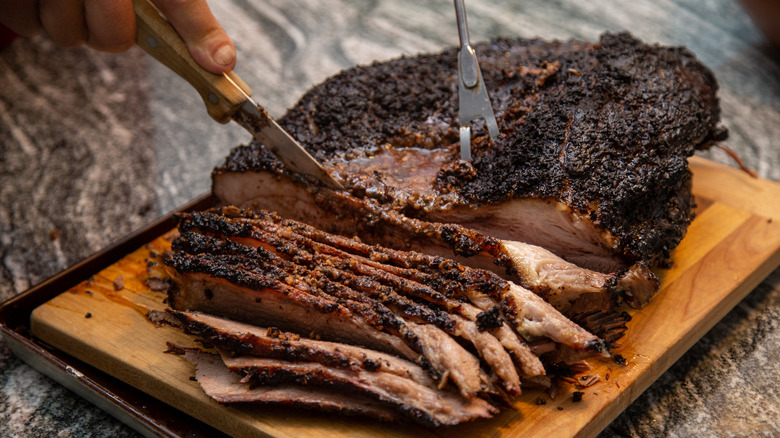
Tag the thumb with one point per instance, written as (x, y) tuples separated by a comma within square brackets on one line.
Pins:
[(206, 40)]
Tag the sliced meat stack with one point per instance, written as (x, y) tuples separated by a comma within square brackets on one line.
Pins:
[(372, 319), (270, 366)]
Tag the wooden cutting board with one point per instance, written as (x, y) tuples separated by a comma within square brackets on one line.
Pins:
[(731, 246)]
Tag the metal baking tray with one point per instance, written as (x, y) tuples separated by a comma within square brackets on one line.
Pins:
[(143, 413)]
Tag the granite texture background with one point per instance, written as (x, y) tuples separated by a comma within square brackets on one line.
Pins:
[(95, 145)]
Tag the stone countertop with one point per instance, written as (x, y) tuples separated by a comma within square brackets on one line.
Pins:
[(95, 145)]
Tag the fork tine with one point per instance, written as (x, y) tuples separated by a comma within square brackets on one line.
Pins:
[(490, 120), (465, 143)]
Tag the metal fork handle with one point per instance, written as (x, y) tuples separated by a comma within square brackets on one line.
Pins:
[(467, 57)]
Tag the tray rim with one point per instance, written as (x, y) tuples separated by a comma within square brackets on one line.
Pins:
[(139, 411)]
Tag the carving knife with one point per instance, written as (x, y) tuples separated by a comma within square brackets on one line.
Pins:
[(227, 97)]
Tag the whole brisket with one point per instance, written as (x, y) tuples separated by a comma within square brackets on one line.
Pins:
[(591, 161)]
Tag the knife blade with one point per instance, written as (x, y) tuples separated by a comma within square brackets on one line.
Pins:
[(255, 119), (226, 96)]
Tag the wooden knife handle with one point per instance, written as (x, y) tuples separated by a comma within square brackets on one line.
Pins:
[(159, 39)]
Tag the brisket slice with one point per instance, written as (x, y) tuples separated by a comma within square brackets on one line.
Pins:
[(427, 405), (590, 164), (238, 339), (218, 288), (397, 384), (224, 386)]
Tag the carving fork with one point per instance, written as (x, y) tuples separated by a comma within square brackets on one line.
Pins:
[(473, 100)]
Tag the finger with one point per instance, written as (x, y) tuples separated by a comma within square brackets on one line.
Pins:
[(206, 40), (64, 21), (110, 24), (21, 17)]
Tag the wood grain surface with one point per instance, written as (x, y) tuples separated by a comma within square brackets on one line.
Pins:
[(731, 246)]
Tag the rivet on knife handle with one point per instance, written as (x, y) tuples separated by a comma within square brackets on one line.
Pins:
[(159, 39)]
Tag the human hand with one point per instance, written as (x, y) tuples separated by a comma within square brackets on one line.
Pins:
[(766, 16), (109, 25)]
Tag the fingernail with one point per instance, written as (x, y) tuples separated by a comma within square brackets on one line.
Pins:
[(225, 54)]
